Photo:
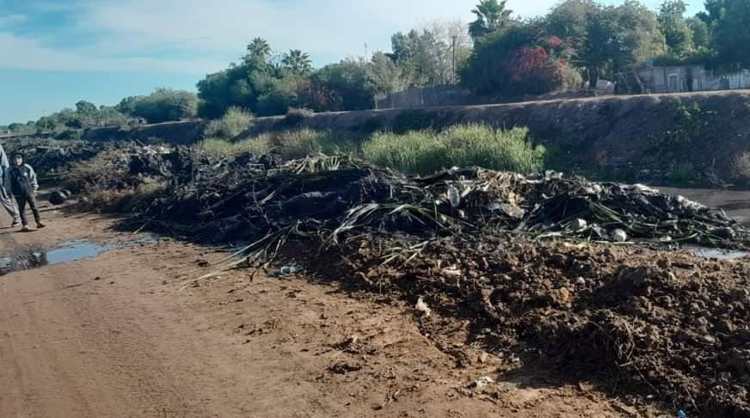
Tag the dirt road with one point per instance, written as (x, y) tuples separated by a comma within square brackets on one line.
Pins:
[(131, 333)]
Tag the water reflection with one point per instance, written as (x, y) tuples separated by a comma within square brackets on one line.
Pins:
[(30, 258)]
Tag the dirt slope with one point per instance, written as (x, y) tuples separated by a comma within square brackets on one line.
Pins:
[(132, 334)]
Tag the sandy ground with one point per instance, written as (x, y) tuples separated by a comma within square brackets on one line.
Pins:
[(131, 333)]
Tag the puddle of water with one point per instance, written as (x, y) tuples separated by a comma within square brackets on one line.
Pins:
[(67, 252), (74, 251), (718, 253)]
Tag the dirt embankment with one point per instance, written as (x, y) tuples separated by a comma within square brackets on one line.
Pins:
[(698, 138), (702, 138)]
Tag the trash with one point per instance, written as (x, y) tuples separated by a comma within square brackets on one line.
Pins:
[(681, 414), (423, 308), (481, 383), (579, 225), (289, 270), (581, 281), (618, 235), (454, 196)]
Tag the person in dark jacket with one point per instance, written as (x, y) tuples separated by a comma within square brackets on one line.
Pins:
[(24, 185)]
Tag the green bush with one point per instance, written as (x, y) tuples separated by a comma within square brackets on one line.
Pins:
[(165, 105), (425, 152), (232, 124), (301, 143), (216, 148), (286, 144)]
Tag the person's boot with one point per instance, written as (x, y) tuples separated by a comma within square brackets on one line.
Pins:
[(15, 223), (25, 229), (40, 225)]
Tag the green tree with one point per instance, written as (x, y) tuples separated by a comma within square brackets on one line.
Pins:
[(86, 108), (426, 56), (731, 32), (569, 20), (384, 75), (700, 33), (491, 16), (673, 25), (516, 62), (297, 62), (166, 105), (258, 50), (342, 86), (617, 38)]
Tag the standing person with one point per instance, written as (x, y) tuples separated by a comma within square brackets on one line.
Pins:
[(5, 196), (24, 186)]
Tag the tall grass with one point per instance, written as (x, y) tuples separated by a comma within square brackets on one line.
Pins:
[(426, 152), (286, 144), (232, 124)]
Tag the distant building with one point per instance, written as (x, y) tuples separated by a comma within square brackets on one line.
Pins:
[(686, 78)]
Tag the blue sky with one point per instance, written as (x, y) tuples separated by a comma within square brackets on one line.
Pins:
[(56, 52)]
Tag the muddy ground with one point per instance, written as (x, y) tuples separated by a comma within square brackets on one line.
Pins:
[(133, 333)]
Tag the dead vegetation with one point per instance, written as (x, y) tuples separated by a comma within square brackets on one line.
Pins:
[(523, 257), (448, 237)]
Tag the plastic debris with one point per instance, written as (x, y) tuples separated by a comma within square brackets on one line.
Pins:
[(422, 307)]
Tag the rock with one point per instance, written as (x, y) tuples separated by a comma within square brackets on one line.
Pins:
[(581, 281), (57, 197)]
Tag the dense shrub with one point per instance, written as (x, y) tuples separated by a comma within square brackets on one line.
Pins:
[(517, 62), (232, 124), (425, 152), (165, 105)]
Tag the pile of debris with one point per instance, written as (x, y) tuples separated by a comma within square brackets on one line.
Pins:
[(248, 197), (52, 158), (480, 244), (126, 167)]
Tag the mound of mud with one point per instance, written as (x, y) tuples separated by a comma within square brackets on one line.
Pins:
[(487, 245)]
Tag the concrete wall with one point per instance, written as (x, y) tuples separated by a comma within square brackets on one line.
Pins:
[(678, 79)]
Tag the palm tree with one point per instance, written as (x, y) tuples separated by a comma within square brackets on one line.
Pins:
[(259, 49), (491, 16), (297, 62)]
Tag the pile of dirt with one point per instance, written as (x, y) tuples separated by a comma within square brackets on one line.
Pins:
[(485, 245), (660, 325)]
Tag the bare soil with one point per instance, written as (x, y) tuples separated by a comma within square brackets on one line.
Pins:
[(133, 333)]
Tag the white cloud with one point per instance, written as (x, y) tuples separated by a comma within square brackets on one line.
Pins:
[(323, 27), (28, 54), (198, 36)]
